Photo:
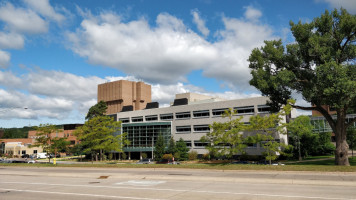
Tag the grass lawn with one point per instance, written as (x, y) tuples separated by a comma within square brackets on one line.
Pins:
[(325, 162)]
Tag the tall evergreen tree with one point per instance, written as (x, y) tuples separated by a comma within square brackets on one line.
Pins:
[(182, 149), (98, 109), (160, 148), (171, 146), (98, 135)]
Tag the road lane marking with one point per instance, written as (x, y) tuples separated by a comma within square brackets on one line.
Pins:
[(181, 190), (141, 183), (78, 194)]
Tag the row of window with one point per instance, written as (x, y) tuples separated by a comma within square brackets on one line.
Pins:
[(196, 128), (198, 144), (198, 114)]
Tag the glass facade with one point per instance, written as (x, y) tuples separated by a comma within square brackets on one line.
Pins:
[(141, 135)]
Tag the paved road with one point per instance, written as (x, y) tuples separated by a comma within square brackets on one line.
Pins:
[(146, 184)]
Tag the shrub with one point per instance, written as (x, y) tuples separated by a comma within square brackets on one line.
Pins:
[(206, 156), (176, 156), (167, 156), (193, 155)]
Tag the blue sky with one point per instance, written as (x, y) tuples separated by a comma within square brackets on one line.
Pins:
[(53, 54)]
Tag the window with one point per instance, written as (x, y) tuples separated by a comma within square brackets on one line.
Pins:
[(137, 119), (166, 116), (188, 143), (151, 118), (251, 145), (245, 110), (201, 113), (200, 145), (183, 115), (34, 151), (219, 112), (263, 109), (183, 129), (23, 152), (201, 128), (124, 120)]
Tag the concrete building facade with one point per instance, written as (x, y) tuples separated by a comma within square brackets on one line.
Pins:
[(122, 93), (189, 122)]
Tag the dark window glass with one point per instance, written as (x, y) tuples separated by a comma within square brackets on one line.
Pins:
[(183, 115), (183, 129), (188, 143), (166, 116), (219, 112), (137, 119), (151, 118), (201, 128), (245, 110), (198, 144), (201, 113)]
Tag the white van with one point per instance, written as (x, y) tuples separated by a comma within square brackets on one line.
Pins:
[(41, 155)]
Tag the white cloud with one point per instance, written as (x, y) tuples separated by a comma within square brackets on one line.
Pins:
[(9, 80), (349, 5), (48, 94), (4, 59), (58, 95), (167, 52), (252, 14), (22, 20), (45, 9), (239, 38), (61, 84), (11, 41), (200, 23), (164, 54)]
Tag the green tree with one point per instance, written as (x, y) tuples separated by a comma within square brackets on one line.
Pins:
[(182, 150), (267, 128), (160, 148), (59, 145), (226, 138), (99, 135), (319, 65), (45, 138), (297, 128), (98, 109), (17, 132), (172, 149)]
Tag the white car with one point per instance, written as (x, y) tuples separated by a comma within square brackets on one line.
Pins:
[(31, 161)]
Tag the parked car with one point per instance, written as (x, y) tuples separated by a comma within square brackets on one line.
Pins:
[(166, 161), (41, 155), (145, 161), (31, 161), (19, 161), (52, 155)]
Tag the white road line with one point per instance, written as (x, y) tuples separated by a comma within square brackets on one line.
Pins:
[(180, 190), (78, 194)]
